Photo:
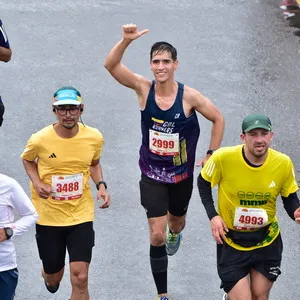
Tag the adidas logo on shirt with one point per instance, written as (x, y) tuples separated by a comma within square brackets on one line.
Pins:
[(52, 155), (272, 184)]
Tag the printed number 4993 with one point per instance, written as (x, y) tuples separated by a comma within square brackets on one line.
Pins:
[(251, 220)]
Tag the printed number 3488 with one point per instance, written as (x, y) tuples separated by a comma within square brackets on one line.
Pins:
[(67, 187)]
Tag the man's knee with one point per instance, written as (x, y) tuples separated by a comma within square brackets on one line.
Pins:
[(54, 278), (157, 228), (79, 279), (158, 238), (260, 294), (79, 274), (176, 224)]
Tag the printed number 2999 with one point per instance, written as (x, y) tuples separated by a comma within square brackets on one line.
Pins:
[(162, 143)]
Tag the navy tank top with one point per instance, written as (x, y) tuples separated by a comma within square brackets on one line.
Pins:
[(169, 140)]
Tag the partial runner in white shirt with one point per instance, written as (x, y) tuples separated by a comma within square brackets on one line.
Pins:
[(13, 200)]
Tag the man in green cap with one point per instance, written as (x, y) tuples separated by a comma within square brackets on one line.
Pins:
[(250, 177), (60, 159)]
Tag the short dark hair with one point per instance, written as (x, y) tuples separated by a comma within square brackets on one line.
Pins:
[(159, 47)]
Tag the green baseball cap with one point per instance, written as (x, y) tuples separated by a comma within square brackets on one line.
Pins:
[(256, 121)]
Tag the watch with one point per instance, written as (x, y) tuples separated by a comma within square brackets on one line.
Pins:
[(101, 182), (9, 232), (210, 151)]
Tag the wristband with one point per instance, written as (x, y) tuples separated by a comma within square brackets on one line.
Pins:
[(210, 151), (101, 182)]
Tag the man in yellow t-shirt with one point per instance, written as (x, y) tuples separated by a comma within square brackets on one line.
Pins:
[(249, 177), (60, 159)]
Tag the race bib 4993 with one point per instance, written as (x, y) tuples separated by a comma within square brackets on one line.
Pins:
[(250, 218)]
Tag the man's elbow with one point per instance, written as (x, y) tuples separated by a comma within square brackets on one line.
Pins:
[(219, 119), (111, 66), (7, 56), (107, 65), (26, 163)]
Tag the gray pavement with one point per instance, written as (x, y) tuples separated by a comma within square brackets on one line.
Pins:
[(241, 54)]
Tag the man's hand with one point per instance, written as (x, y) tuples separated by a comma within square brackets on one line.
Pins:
[(130, 32), (297, 215), (219, 229), (2, 235), (42, 189), (104, 195), (202, 162)]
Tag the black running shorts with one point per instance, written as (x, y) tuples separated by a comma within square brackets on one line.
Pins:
[(52, 242), (233, 264), (158, 198)]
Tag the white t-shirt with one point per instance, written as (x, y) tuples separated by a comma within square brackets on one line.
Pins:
[(13, 198)]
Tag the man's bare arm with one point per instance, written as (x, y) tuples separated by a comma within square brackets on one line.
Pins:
[(43, 190), (206, 107), (97, 175), (113, 61), (5, 54)]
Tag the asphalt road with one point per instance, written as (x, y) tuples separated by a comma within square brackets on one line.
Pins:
[(241, 54)]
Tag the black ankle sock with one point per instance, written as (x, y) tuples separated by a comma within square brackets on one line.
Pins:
[(159, 267)]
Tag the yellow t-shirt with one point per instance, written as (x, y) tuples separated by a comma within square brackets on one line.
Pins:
[(64, 164), (247, 195)]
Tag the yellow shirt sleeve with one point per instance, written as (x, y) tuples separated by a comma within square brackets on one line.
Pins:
[(30, 151), (98, 151), (212, 171), (290, 184)]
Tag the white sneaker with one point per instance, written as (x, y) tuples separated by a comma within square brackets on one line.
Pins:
[(225, 297)]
